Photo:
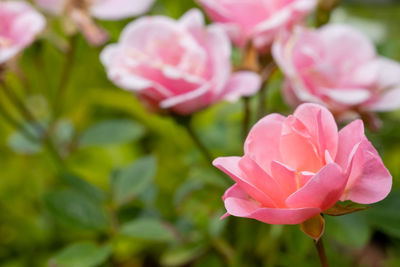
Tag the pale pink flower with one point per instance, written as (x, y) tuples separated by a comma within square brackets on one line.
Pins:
[(179, 65), (337, 66), (82, 12), (296, 167), (258, 21), (19, 26), (101, 9)]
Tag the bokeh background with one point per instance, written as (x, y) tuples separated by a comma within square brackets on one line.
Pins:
[(88, 210)]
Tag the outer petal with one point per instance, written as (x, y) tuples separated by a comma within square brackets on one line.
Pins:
[(262, 143), (322, 191), (242, 83), (389, 100), (238, 204), (230, 165), (369, 180), (119, 9), (54, 7)]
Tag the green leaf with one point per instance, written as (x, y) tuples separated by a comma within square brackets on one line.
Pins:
[(111, 132), (22, 144), (351, 230), (339, 210), (74, 209), (133, 179), (182, 255), (147, 229), (85, 254), (385, 215), (83, 187)]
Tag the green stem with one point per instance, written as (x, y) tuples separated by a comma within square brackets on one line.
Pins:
[(65, 75), (246, 117), (195, 138), (319, 245), (262, 95)]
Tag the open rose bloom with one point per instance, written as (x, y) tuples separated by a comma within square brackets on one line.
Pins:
[(337, 66), (82, 11), (296, 167), (258, 21), (19, 26), (181, 66)]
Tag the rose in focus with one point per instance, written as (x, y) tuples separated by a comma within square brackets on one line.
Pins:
[(296, 167), (181, 65), (19, 26), (258, 21), (337, 66)]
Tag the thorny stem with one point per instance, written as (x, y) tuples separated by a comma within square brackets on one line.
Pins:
[(319, 245), (65, 75)]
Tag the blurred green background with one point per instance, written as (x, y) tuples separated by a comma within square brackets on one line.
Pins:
[(133, 190)]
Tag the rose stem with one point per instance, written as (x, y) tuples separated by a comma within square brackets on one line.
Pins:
[(65, 74), (246, 117), (262, 94), (319, 245)]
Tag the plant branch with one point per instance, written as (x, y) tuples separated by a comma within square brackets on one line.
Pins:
[(65, 75), (319, 245), (246, 117), (266, 75)]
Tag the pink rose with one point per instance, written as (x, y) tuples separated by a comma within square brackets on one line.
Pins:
[(296, 167), (101, 9), (179, 65), (82, 12), (257, 20), (19, 26), (337, 66)]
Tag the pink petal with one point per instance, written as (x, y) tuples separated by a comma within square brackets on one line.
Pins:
[(389, 100), (238, 204), (349, 137), (348, 96), (119, 9), (321, 125), (285, 177), (260, 179), (262, 143), (369, 180), (322, 191), (242, 83), (230, 165)]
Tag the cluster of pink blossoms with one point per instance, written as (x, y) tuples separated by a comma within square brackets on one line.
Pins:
[(293, 167)]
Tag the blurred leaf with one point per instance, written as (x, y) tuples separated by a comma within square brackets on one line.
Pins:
[(83, 187), (111, 132), (133, 179), (385, 215), (148, 229), (181, 255), (72, 208), (86, 254), (64, 132), (351, 230), (21, 144)]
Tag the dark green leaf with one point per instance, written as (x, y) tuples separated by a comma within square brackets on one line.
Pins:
[(147, 229), (72, 208), (83, 187), (86, 254), (111, 132), (134, 179)]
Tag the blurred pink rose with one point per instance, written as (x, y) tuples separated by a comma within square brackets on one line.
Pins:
[(82, 12), (19, 26), (298, 166), (257, 20), (337, 66), (179, 65), (101, 9)]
